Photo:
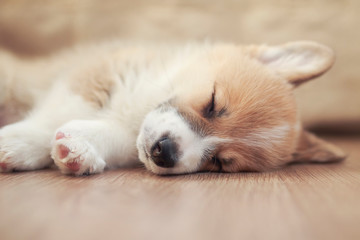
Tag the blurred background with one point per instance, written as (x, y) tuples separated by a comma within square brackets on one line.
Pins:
[(331, 103)]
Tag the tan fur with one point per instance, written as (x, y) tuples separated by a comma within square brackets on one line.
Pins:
[(255, 120), (254, 99), (94, 84), (313, 149)]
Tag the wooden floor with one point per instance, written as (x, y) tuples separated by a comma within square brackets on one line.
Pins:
[(300, 202)]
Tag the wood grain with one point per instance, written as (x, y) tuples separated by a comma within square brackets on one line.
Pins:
[(310, 201)]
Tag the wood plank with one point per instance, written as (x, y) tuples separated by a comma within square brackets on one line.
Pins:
[(312, 201)]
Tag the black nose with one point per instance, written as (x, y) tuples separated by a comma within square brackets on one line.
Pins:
[(164, 153)]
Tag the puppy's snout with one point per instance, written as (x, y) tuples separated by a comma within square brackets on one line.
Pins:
[(164, 153)]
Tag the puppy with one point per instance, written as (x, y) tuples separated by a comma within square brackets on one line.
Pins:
[(200, 107)]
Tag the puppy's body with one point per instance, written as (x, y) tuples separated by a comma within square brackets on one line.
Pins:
[(185, 109)]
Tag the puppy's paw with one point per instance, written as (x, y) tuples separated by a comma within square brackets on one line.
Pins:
[(75, 155), (23, 147), (5, 162)]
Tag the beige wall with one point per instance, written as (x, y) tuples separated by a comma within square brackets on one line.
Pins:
[(39, 27)]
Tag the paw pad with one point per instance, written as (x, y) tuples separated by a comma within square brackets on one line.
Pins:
[(63, 151), (73, 166), (59, 135), (3, 166)]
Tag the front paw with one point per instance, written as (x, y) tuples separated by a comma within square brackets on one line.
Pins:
[(73, 154), (23, 147), (5, 162)]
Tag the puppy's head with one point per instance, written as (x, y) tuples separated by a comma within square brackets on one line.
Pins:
[(233, 109)]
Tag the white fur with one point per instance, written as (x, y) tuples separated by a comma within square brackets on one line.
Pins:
[(26, 145), (191, 146), (266, 138), (98, 139), (142, 79)]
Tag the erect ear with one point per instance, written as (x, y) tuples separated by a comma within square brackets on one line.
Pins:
[(313, 149), (296, 61)]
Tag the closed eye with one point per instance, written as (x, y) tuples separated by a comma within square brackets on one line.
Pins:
[(217, 162), (209, 110)]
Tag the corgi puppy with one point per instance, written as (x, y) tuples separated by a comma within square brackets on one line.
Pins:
[(199, 107)]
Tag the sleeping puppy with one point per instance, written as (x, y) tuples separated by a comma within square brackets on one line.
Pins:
[(199, 107)]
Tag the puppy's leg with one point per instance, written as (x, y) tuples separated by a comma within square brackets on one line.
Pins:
[(23, 82), (26, 145), (82, 147)]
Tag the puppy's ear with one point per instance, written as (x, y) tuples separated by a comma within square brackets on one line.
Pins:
[(313, 149), (296, 61)]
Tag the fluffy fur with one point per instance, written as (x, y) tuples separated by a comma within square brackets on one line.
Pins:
[(220, 107)]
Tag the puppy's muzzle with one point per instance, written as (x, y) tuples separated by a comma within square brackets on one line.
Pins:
[(164, 153)]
